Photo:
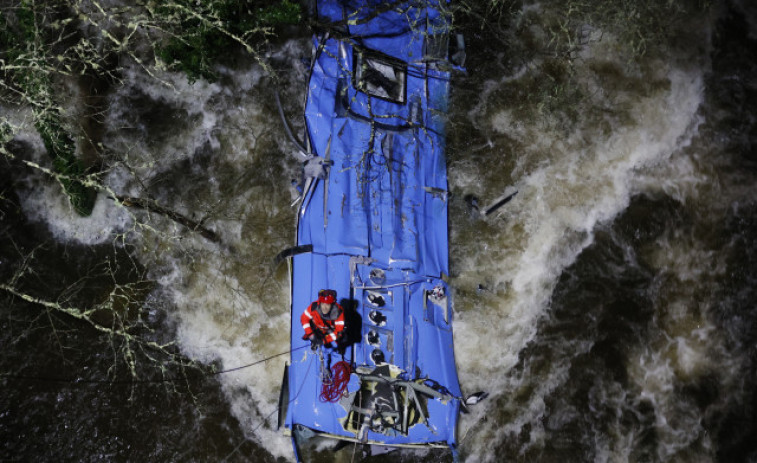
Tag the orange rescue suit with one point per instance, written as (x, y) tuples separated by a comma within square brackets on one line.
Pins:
[(330, 325)]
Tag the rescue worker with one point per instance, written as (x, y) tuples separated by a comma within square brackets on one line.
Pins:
[(323, 320)]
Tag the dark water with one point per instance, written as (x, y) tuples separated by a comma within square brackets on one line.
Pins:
[(610, 308), (68, 394), (621, 323)]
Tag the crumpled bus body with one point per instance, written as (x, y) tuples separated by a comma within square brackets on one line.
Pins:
[(372, 225)]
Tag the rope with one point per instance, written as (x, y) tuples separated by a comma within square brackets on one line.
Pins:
[(259, 361), (340, 376), (140, 381)]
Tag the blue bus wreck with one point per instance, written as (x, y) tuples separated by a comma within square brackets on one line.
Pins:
[(372, 225)]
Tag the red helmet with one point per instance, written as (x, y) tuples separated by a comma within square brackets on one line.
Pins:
[(326, 296)]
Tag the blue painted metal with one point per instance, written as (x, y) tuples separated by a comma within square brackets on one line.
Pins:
[(375, 210)]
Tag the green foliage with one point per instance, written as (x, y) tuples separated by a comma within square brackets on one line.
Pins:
[(25, 18), (193, 54), (15, 33), (22, 46), (280, 13), (62, 149), (41, 41), (6, 132), (209, 35), (59, 145)]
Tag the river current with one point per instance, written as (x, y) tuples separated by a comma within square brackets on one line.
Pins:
[(609, 309)]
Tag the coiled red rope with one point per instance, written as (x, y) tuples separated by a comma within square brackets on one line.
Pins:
[(340, 376)]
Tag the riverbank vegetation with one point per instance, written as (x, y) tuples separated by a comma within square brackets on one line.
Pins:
[(52, 51), (59, 61)]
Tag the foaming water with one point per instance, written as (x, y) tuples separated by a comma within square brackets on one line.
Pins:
[(683, 346), (570, 181), (43, 200), (213, 152), (593, 307), (559, 204)]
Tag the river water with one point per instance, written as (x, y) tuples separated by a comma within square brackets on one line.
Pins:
[(609, 308)]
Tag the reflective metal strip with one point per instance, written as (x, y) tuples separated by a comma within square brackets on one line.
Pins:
[(339, 322), (415, 386), (362, 411)]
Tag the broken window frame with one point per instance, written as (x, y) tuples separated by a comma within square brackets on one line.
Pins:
[(362, 57)]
